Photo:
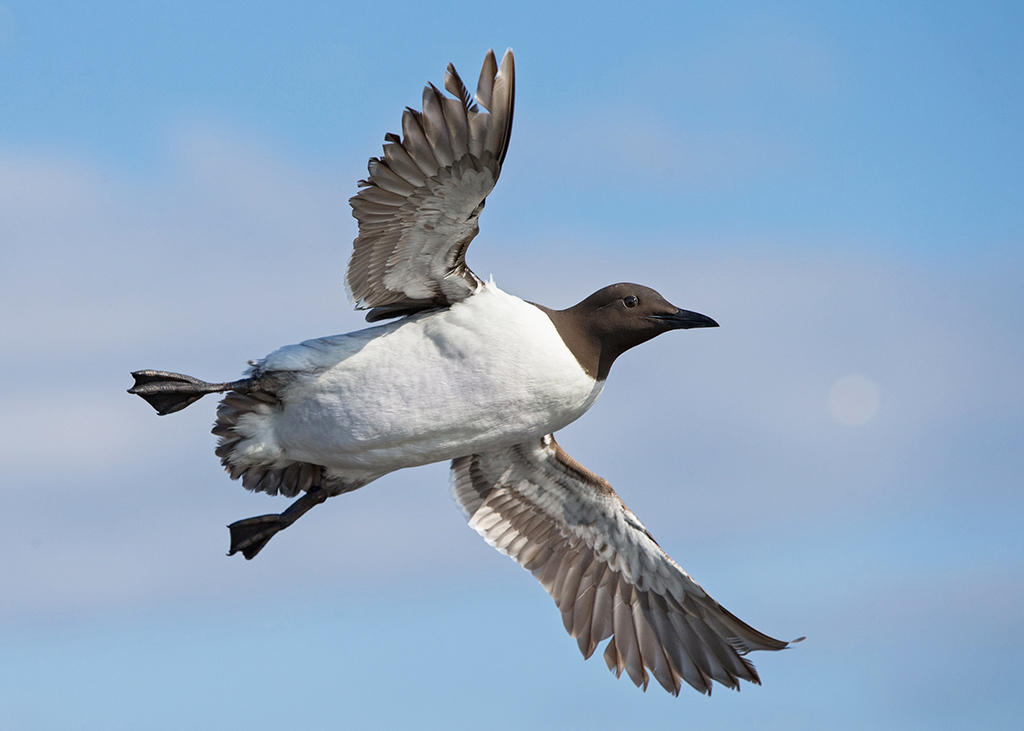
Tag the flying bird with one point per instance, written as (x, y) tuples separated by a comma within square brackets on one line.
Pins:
[(466, 372)]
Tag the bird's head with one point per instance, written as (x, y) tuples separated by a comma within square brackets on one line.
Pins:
[(616, 318)]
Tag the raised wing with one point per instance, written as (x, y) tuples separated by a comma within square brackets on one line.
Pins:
[(536, 504), (418, 209)]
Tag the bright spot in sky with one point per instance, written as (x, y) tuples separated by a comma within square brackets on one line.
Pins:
[(853, 400)]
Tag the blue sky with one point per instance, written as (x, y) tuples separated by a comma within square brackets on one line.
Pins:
[(838, 185)]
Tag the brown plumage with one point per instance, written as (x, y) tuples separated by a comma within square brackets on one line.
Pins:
[(607, 575), (418, 209)]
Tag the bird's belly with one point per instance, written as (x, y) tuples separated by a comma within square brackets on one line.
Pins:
[(345, 419), (433, 390)]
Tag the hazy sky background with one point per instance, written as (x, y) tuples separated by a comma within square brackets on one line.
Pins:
[(838, 184)]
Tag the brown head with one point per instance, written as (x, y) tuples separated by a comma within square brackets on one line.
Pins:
[(616, 318)]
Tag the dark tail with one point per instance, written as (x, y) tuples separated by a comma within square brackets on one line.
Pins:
[(170, 392)]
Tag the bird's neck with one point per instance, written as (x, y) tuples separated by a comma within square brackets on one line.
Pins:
[(590, 352)]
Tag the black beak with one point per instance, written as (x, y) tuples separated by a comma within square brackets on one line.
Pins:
[(685, 320)]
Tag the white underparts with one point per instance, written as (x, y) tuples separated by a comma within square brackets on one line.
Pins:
[(489, 371)]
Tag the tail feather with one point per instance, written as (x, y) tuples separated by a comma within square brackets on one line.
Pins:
[(169, 392)]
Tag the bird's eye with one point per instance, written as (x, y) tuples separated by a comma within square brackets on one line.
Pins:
[(630, 301)]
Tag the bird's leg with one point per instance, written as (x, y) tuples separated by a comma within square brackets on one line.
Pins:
[(251, 535)]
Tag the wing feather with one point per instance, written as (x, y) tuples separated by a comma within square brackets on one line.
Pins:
[(435, 128), (419, 207), (388, 179), (453, 83), (414, 139), (485, 83), (458, 126), (607, 575), (503, 100), (401, 163)]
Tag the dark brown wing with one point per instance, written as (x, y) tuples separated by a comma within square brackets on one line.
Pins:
[(606, 573), (419, 208)]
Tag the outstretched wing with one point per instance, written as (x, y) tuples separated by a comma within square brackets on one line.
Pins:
[(418, 209), (536, 504)]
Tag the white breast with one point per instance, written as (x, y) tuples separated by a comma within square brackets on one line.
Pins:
[(487, 372)]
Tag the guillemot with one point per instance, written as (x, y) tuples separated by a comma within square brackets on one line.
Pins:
[(466, 372)]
